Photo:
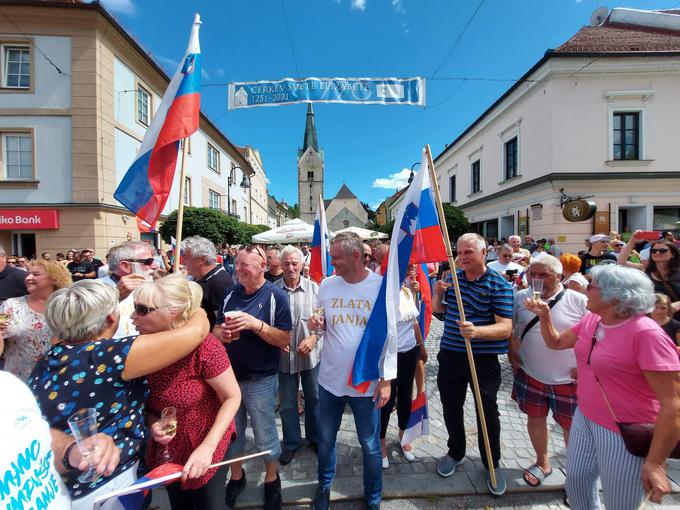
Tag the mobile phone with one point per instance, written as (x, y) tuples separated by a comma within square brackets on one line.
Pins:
[(649, 235), (511, 272)]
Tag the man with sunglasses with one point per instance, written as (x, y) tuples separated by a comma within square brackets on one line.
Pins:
[(504, 265), (130, 264), (597, 254), (258, 327)]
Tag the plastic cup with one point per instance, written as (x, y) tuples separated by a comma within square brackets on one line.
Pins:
[(235, 335)]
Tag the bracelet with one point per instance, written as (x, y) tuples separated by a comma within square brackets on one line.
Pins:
[(261, 326), (64, 459)]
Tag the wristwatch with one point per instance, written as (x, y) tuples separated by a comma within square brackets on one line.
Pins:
[(64, 459)]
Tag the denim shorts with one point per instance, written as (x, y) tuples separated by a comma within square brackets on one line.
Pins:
[(258, 402)]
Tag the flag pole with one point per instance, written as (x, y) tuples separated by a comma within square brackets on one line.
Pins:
[(461, 313), (180, 206)]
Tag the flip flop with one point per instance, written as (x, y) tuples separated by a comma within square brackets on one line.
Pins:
[(538, 473)]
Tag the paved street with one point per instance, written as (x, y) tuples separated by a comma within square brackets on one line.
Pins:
[(417, 485)]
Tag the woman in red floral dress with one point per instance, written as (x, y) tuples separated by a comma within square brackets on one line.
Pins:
[(202, 388)]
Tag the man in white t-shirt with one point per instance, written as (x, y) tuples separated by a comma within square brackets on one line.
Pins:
[(543, 378), (504, 264), (348, 299)]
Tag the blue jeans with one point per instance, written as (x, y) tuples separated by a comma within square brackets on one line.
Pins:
[(258, 401), (288, 409), (367, 423)]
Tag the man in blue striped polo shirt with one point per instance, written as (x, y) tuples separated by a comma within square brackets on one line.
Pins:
[(487, 299)]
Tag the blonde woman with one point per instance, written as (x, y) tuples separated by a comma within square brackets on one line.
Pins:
[(26, 334), (201, 386)]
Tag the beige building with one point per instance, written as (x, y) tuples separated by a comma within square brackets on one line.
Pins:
[(595, 117), (345, 210), (258, 187), (76, 97)]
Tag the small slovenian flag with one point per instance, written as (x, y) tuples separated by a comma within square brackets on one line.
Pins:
[(377, 352), (417, 424), (133, 496), (425, 318), (320, 264), (146, 186)]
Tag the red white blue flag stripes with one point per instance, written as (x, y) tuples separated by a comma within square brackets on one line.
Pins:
[(320, 263), (146, 186)]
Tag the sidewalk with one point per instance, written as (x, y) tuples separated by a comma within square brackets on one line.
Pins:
[(405, 480)]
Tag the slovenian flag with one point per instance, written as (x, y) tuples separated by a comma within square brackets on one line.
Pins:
[(377, 353), (133, 496), (320, 264), (146, 186), (417, 424), (425, 317)]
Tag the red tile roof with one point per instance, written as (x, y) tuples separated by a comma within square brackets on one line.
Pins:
[(621, 38)]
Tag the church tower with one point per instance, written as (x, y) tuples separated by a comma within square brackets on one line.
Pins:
[(310, 171)]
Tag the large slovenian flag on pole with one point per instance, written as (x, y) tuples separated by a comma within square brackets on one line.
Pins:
[(377, 353), (132, 497), (320, 264), (146, 186)]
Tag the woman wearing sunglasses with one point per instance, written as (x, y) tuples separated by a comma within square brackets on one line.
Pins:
[(88, 369), (201, 386), (664, 270), (625, 358)]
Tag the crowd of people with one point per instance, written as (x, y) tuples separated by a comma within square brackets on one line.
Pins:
[(178, 365)]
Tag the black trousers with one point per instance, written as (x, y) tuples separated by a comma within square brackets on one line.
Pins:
[(402, 390), (208, 497), (453, 379)]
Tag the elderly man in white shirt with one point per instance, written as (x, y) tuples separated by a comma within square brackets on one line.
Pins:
[(504, 264)]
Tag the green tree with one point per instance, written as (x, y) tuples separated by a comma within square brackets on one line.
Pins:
[(370, 212), (294, 210), (456, 222)]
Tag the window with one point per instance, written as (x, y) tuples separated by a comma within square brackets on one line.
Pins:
[(626, 135), (213, 159), (476, 178), (511, 166), (18, 156), (233, 206), (214, 199), (310, 176), (187, 191), (16, 66), (181, 145), (452, 188), (143, 106)]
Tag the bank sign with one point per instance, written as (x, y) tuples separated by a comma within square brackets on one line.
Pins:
[(403, 91), (29, 219)]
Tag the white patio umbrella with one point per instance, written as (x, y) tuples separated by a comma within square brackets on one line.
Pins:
[(293, 231), (364, 233)]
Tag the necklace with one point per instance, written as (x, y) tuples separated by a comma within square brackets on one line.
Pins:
[(600, 331)]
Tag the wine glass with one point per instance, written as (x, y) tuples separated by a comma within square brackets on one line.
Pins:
[(536, 287), (318, 312), (83, 424), (168, 424)]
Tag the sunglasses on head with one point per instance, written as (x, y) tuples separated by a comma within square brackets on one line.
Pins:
[(142, 310), (367, 256), (251, 248), (146, 262), (659, 250)]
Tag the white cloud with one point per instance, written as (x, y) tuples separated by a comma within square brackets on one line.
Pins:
[(398, 6), (119, 6), (394, 181), (359, 4)]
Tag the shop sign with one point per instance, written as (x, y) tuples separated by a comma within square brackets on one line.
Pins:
[(29, 219)]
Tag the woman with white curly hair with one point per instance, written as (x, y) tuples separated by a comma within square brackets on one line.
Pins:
[(628, 372)]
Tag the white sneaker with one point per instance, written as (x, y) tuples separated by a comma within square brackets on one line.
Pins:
[(409, 455), (385, 462)]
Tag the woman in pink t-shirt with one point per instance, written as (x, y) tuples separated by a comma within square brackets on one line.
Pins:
[(638, 368)]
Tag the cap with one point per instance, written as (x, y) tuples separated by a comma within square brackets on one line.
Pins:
[(598, 238)]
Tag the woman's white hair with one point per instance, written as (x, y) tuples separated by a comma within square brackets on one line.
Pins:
[(175, 292), (473, 238), (629, 290), (78, 313), (550, 262)]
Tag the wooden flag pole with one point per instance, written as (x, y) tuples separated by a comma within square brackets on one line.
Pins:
[(461, 313), (180, 207)]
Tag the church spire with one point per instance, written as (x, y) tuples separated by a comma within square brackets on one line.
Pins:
[(310, 131)]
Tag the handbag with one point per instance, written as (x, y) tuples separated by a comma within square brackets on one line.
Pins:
[(637, 437)]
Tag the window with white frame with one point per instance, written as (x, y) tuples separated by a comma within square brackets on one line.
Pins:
[(511, 158), (213, 159), (16, 66), (214, 199), (17, 152), (476, 176), (143, 106), (187, 191), (452, 188), (626, 135)]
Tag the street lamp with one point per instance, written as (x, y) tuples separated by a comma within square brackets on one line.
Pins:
[(245, 184), (410, 177)]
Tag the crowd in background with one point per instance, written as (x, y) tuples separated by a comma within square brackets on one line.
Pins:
[(242, 333)]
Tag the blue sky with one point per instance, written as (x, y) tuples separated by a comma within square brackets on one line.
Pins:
[(368, 147)]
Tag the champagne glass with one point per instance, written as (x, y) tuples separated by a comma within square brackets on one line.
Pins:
[(536, 287), (168, 424), (83, 424), (318, 312)]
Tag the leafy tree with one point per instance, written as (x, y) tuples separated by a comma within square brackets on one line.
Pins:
[(370, 212), (456, 222), (294, 210), (387, 228)]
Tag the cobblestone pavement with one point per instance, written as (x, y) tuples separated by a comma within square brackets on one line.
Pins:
[(405, 481)]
